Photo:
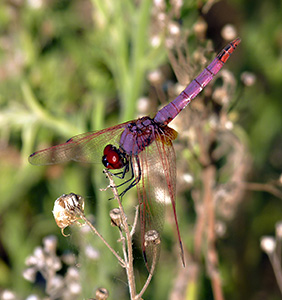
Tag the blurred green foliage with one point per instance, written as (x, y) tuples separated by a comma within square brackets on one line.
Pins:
[(68, 67)]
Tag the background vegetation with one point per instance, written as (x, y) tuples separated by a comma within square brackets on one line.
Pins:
[(68, 67)]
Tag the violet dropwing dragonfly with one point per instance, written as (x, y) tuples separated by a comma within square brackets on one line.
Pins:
[(142, 148)]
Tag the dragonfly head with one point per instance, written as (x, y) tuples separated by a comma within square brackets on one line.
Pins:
[(113, 158)]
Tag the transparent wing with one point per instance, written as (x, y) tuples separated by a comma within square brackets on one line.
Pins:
[(156, 188), (86, 147)]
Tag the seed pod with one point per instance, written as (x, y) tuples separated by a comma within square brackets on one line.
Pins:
[(152, 237), (102, 294), (116, 219), (67, 208)]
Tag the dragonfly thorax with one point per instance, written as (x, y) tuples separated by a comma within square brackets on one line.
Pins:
[(138, 135)]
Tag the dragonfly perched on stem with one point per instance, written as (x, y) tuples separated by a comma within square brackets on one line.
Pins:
[(142, 148)]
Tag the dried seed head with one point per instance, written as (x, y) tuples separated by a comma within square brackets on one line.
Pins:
[(102, 294), (220, 229), (68, 258), (152, 237), (200, 28), (174, 28), (268, 244), (74, 288), (229, 32), (188, 178), (31, 297), (116, 219), (159, 4), (35, 4), (29, 274), (155, 76), (56, 283), (278, 229), (67, 208), (143, 105), (50, 243), (91, 252), (155, 41), (248, 78), (8, 295)]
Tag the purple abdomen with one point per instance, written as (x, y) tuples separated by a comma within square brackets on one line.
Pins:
[(170, 111)]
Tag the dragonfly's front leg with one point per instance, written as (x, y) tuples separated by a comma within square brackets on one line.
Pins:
[(136, 178)]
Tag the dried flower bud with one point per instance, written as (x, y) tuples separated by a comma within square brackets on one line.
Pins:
[(200, 28), (229, 32), (116, 219), (8, 295), (53, 262), (66, 208), (188, 178), (143, 105), (33, 297), (278, 229), (229, 125), (31, 260), (248, 78), (152, 237), (268, 244), (155, 41), (29, 274), (155, 77), (220, 95), (74, 288), (91, 253), (50, 244), (220, 229), (102, 294), (68, 258), (72, 274), (35, 4), (174, 28), (159, 4), (56, 283)]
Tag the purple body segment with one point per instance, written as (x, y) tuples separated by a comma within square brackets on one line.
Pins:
[(137, 135), (170, 111), (215, 66)]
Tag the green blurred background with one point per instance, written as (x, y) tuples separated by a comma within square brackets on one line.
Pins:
[(68, 67)]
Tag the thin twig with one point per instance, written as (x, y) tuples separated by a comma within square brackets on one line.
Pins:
[(277, 269), (135, 221), (82, 216), (122, 239), (155, 254), (212, 257), (265, 187), (129, 265)]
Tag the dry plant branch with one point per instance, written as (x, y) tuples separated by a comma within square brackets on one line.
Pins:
[(212, 256), (206, 219), (129, 265), (127, 246), (82, 216), (264, 187)]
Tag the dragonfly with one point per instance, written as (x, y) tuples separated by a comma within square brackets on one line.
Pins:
[(143, 150)]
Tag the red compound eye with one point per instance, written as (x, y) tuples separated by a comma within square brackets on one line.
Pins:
[(112, 159)]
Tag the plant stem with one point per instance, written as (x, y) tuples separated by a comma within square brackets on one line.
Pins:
[(129, 266), (82, 216)]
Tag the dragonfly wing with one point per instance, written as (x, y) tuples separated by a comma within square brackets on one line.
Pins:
[(156, 187), (87, 147)]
